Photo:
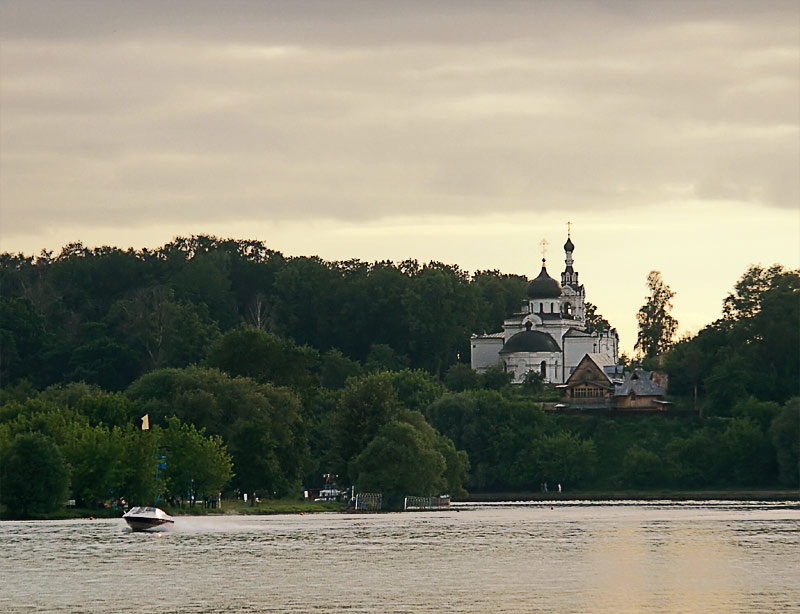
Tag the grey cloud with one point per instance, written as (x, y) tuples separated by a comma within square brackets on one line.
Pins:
[(133, 111)]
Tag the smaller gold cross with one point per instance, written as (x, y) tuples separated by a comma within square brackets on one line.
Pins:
[(544, 245)]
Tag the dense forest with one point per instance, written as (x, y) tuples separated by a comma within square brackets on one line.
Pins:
[(261, 372)]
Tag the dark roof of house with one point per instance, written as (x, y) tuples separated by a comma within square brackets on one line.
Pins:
[(544, 286), (530, 341), (641, 383)]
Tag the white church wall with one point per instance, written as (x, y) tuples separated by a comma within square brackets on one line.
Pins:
[(520, 363), (485, 352), (597, 343)]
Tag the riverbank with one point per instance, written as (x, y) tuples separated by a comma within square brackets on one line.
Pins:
[(229, 507), (282, 506), (775, 494)]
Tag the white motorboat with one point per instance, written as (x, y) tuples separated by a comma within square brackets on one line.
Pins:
[(146, 518)]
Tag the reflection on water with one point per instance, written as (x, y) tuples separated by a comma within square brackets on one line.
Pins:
[(523, 557)]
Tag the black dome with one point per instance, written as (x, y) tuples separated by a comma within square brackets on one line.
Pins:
[(568, 246), (544, 286), (530, 341)]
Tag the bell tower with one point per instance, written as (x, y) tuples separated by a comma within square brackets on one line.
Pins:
[(573, 296)]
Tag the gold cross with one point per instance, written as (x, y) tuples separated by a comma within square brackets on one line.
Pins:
[(569, 229), (544, 245)]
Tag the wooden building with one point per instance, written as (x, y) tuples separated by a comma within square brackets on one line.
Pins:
[(597, 385)]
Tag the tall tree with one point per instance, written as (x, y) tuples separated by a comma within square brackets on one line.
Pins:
[(594, 320), (248, 351), (657, 327), (34, 474)]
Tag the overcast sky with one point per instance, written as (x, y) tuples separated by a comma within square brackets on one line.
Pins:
[(465, 132)]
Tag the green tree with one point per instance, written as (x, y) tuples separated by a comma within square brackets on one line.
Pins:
[(382, 357), (399, 461), (22, 338), (416, 389), (561, 458), (657, 327), (495, 295), (196, 465), (642, 469), (496, 378), (456, 461), (335, 368), (749, 452), (697, 459), (594, 321), (34, 475), (138, 483), (533, 383), (165, 331), (502, 427), (250, 352), (461, 377), (229, 407), (367, 403), (746, 299), (456, 417), (199, 273), (95, 455), (785, 434), (761, 413), (440, 315), (686, 365), (727, 383), (304, 302), (271, 449)]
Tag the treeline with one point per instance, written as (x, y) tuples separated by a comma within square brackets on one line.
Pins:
[(752, 351), (107, 316), (260, 373)]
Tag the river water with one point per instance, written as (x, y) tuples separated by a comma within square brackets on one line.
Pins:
[(525, 557)]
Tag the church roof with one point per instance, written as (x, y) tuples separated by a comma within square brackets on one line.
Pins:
[(530, 341), (568, 246), (544, 286), (499, 335), (574, 332)]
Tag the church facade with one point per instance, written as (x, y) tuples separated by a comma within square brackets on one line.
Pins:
[(548, 335)]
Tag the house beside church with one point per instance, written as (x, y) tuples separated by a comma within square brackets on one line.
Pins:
[(549, 334), (594, 385)]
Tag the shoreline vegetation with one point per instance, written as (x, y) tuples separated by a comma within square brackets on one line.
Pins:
[(215, 366), (275, 507), (739, 494)]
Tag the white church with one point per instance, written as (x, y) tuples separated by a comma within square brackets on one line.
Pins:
[(549, 334)]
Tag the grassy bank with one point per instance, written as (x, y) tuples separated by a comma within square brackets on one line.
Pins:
[(279, 506), (738, 494)]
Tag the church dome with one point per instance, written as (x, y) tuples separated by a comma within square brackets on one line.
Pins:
[(530, 341), (568, 246), (544, 286)]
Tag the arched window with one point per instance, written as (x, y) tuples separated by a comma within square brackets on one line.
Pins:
[(543, 367), (528, 325)]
